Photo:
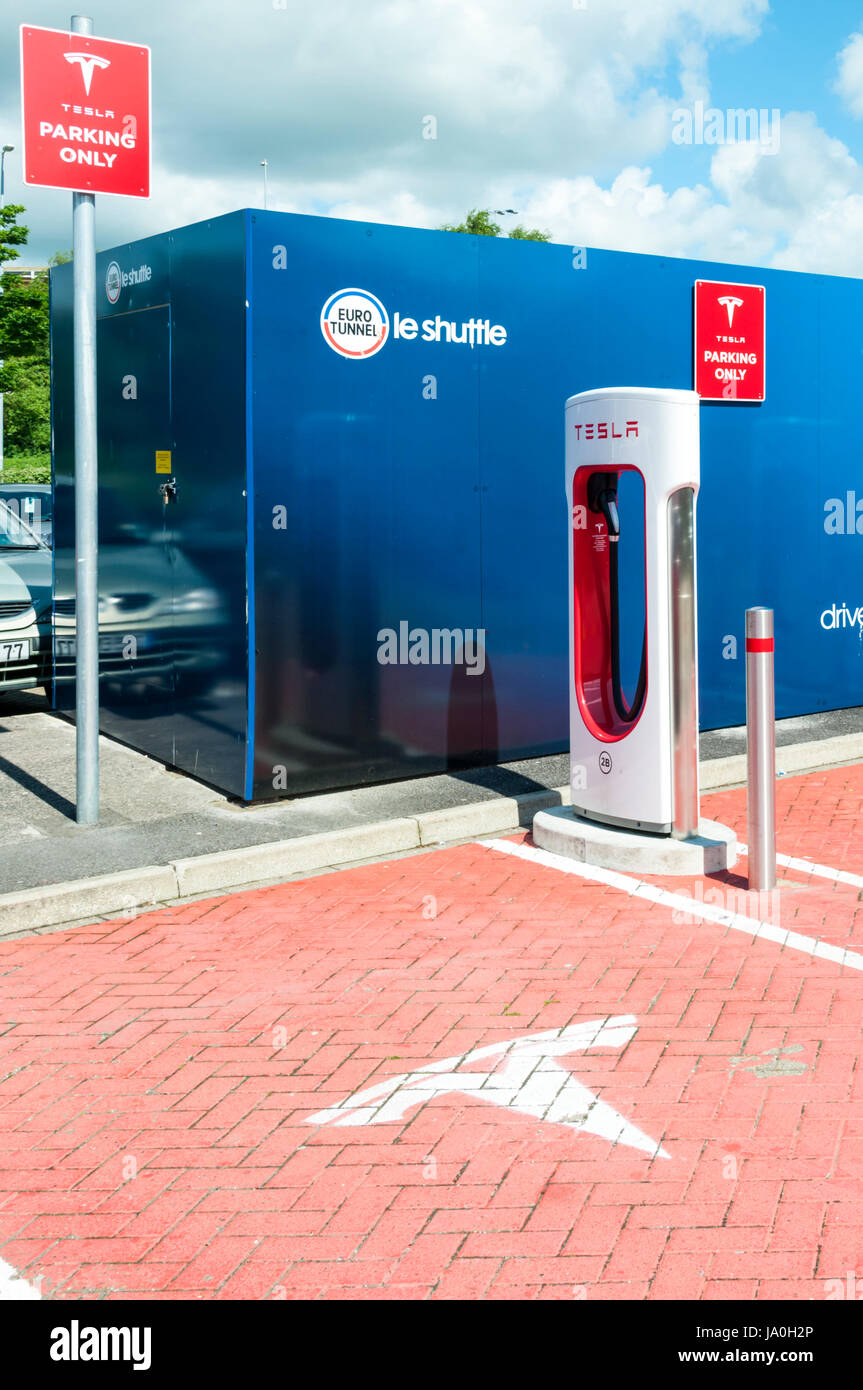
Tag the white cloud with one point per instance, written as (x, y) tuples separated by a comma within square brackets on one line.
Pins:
[(634, 213), (800, 208), (558, 111), (830, 240), (333, 95), (849, 83)]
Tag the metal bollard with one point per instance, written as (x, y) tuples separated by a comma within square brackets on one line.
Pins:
[(760, 750)]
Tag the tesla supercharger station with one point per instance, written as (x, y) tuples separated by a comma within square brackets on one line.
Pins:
[(632, 477)]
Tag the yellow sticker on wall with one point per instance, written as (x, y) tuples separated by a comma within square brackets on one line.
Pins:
[(163, 460)]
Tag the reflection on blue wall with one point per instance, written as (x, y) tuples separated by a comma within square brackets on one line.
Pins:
[(172, 579), (325, 499)]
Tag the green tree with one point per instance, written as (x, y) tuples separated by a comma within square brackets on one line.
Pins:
[(24, 351), (11, 234), (26, 383), (478, 223), (24, 323), (522, 234)]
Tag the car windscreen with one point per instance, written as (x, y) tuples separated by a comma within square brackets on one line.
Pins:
[(15, 534), (34, 507)]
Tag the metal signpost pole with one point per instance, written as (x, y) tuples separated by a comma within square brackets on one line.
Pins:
[(58, 68), (760, 750), (86, 501), (6, 149)]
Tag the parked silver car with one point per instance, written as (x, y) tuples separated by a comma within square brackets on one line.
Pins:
[(25, 604)]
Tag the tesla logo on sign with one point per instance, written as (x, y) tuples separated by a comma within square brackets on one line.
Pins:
[(729, 341), (88, 62), (730, 304), (85, 112)]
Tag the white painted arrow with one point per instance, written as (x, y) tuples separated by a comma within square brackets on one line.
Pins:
[(14, 1288), (531, 1081)]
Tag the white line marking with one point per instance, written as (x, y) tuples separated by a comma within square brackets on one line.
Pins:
[(807, 866), (531, 1082), (636, 888), (14, 1287)]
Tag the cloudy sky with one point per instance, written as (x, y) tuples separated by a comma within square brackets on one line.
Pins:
[(567, 110)]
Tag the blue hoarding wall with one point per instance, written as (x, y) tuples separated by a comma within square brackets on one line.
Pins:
[(336, 488), (382, 489), (430, 477)]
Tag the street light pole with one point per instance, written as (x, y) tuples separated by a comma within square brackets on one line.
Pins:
[(504, 212), (7, 149), (264, 166)]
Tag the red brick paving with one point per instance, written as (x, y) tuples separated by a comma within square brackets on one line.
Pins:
[(159, 1073)]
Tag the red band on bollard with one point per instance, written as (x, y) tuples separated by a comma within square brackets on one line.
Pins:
[(759, 644)]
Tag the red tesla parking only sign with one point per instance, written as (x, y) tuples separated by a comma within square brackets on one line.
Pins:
[(729, 341), (86, 112)]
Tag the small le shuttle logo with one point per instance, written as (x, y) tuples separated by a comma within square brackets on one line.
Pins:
[(113, 282)]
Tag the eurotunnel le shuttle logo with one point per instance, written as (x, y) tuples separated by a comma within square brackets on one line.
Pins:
[(117, 279), (356, 325)]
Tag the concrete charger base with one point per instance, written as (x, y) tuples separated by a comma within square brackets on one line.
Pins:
[(561, 831)]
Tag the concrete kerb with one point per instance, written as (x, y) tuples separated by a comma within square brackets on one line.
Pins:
[(134, 890), (119, 893), (721, 774), (235, 867), (139, 889)]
